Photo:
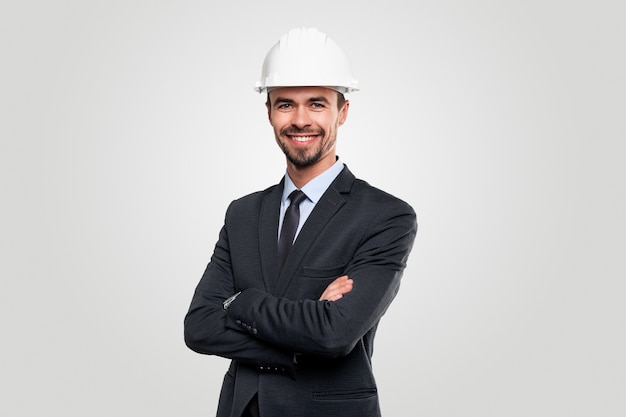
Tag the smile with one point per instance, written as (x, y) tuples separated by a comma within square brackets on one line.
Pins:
[(302, 139)]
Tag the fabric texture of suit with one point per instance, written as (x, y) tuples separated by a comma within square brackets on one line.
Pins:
[(355, 230)]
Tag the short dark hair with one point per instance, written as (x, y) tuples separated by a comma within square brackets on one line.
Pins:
[(341, 100)]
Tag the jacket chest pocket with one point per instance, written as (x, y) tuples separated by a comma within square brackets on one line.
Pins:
[(315, 280)]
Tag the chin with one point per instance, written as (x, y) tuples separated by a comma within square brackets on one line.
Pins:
[(302, 160)]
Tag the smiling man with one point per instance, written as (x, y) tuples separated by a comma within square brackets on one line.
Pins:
[(305, 121), (303, 271)]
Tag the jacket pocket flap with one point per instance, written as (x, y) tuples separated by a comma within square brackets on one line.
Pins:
[(331, 272)]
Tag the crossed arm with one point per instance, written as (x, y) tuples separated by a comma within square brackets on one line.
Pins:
[(262, 329), (333, 292), (236, 345)]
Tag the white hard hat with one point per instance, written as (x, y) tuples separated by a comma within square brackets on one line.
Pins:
[(306, 57)]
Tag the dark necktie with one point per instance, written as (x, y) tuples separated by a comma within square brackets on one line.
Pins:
[(290, 225)]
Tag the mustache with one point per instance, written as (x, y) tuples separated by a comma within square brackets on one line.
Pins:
[(290, 131)]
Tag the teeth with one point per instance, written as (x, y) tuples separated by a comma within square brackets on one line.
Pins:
[(302, 138)]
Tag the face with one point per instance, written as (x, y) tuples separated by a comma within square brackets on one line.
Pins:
[(305, 122)]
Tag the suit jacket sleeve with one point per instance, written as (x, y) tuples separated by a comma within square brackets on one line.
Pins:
[(332, 329), (205, 327)]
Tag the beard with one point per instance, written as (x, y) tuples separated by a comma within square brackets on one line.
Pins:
[(303, 158)]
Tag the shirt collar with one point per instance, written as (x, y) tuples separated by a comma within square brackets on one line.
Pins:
[(315, 188)]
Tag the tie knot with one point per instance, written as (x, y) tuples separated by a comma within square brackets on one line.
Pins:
[(296, 197)]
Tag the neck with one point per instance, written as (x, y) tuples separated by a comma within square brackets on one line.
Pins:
[(302, 175)]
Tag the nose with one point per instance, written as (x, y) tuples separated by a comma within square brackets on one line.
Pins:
[(300, 118)]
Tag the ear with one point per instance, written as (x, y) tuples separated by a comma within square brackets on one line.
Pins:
[(343, 113)]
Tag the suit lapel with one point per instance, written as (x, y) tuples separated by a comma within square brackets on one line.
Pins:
[(328, 205), (268, 236)]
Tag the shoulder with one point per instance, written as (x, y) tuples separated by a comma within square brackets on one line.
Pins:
[(254, 200), (350, 186), (359, 192), (255, 196), (380, 206), (365, 189), (365, 204)]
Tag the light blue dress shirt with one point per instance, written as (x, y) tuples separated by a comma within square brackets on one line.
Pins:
[(313, 190)]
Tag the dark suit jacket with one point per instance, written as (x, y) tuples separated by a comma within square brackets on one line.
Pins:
[(355, 230)]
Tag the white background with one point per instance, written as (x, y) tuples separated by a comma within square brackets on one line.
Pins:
[(128, 126)]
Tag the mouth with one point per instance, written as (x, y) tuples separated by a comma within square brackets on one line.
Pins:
[(302, 138)]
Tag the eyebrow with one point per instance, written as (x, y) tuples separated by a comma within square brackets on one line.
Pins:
[(282, 100), (317, 99)]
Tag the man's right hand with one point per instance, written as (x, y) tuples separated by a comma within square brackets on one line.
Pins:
[(337, 289)]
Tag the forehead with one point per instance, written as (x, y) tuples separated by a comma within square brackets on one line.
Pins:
[(303, 93)]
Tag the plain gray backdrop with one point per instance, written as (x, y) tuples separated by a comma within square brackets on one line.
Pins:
[(128, 126)]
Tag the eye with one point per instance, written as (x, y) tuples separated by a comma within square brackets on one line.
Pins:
[(284, 106), (317, 105)]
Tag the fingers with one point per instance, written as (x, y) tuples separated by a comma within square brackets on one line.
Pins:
[(337, 289)]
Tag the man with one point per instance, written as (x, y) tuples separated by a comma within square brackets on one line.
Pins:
[(298, 321)]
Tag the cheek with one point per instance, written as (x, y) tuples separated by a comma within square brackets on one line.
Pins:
[(277, 121)]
